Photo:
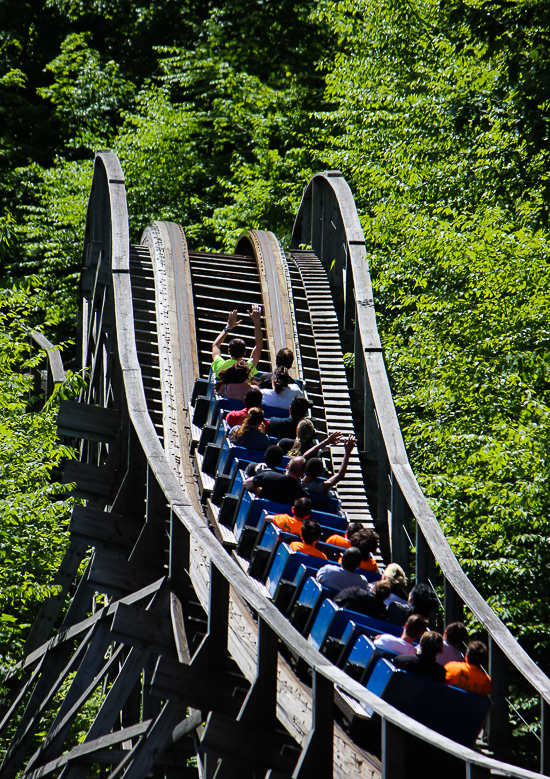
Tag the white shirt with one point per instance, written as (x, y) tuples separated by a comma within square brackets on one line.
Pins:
[(394, 644), (335, 577), (283, 399), (449, 655)]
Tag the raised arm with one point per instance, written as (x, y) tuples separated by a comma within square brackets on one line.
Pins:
[(255, 315), (349, 444), (333, 438), (231, 323)]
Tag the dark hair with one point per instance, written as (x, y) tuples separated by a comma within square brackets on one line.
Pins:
[(297, 466), (314, 467), (311, 531), (423, 600), (253, 398), (456, 633), (299, 407), (416, 625), (252, 420), (431, 644), (366, 541), (284, 358), (236, 374), (351, 559), (273, 456), (302, 508), (381, 591), (237, 348), (281, 379), (354, 527), (476, 653)]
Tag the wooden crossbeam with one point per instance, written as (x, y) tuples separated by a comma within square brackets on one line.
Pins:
[(147, 630), (141, 759), (103, 529), (226, 737), (94, 423), (93, 482), (75, 630), (118, 577), (202, 688)]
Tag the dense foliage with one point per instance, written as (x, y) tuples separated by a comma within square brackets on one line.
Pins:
[(437, 114), (33, 508)]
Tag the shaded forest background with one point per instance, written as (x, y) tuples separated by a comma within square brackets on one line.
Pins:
[(437, 113)]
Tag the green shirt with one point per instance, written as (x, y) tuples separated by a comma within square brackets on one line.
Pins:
[(220, 365)]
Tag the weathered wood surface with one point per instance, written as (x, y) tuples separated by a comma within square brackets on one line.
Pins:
[(54, 356), (94, 423), (102, 529)]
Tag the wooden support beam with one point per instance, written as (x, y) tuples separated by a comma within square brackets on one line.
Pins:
[(400, 546), (454, 606), (227, 738), (91, 749), (544, 737), (260, 706), (93, 482), (394, 757), (118, 577), (318, 753), (500, 734), (212, 652), (103, 529), (141, 758), (201, 688), (54, 671), (147, 630), (425, 561), (50, 608), (93, 423), (82, 686), (474, 771)]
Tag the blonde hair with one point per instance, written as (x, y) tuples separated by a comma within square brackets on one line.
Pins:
[(395, 575), (304, 433)]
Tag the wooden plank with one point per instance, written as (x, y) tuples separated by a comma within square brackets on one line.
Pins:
[(75, 630), (142, 757), (82, 420), (76, 697), (200, 688), (93, 482), (59, 664), (147, 630), (226, 737), (50, 608), (118, 577), (103, 529)]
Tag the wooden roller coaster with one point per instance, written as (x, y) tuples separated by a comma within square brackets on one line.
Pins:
[(187, 667)]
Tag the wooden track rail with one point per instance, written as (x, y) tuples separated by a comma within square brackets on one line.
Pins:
[(167, 646)]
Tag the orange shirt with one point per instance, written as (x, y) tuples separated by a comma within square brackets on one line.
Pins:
[(468, 677), (299, 546), (288, 524), (366, 565), (338, 541)]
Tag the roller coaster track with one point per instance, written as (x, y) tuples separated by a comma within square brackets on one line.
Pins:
[(174, 655)]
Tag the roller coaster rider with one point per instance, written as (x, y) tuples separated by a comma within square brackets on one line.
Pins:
[(237, 346)]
